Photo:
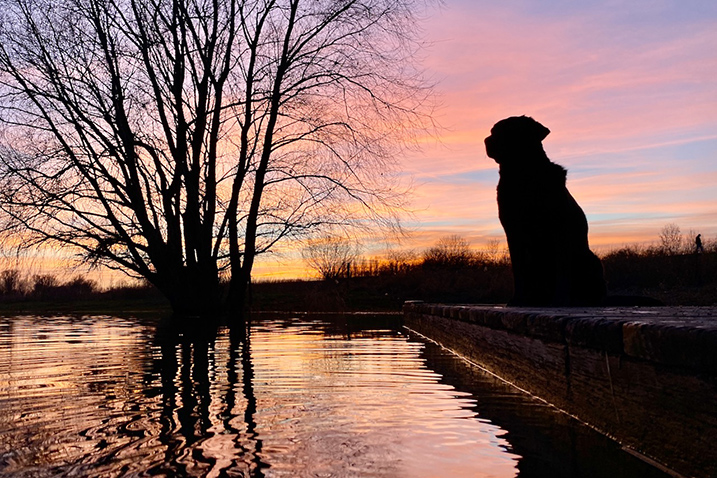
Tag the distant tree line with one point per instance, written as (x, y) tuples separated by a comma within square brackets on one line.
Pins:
[(339, 258), (672, 270), (16, 285)]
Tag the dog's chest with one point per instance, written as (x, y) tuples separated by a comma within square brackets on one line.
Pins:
[(521, 194), (538, 204), (525, 200)]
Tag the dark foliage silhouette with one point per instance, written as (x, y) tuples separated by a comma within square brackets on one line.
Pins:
[(546, 229), (450, 252)]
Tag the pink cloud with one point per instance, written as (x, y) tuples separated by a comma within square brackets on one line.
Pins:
[(620, 100), (628, 91), (580, 80)]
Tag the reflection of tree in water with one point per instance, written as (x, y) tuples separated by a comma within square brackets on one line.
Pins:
[(242, 342), (190, 420)]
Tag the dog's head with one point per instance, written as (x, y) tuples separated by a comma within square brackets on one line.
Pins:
[(515, 139)]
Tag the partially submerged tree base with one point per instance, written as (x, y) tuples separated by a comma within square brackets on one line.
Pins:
[(207, 299)]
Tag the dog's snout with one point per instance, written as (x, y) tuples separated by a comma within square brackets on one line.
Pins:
[(490, 149)]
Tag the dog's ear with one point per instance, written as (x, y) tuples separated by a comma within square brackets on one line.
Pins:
[(539, 132)]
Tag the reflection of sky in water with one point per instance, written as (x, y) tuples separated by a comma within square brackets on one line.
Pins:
[(107, 397), (369, 403), (340, 398)]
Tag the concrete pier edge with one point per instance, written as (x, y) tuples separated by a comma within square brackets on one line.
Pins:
[(645, 376)]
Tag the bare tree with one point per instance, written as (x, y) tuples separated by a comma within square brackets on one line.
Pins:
[(331, 257), (179, 139), (496, 252), (671, 240), (396, 260)]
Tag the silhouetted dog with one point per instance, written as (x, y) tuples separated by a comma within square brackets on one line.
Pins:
[(547, 231)]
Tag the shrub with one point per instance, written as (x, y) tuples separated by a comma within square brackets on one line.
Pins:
[(12, 284), (450, 252)]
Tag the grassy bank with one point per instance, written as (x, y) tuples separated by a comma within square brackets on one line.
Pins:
[(48, 296), (674, 279), (150, 307)]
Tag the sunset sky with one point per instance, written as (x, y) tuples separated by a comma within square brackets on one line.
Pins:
[(628, 89)]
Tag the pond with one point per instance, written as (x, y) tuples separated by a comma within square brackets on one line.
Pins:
[(317, 396)]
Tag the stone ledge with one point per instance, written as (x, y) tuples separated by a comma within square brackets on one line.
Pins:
[(674, 336), (644, 376)]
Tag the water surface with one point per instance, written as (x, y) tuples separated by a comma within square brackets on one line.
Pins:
[(298, 396)]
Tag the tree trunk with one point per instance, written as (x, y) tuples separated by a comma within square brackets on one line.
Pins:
[(193, 292), (236, 303)]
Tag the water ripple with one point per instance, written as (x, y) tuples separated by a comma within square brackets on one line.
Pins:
[(111, 397)]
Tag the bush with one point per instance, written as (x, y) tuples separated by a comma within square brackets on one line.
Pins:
[(44, 286), (450, 252), (12, 284)]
